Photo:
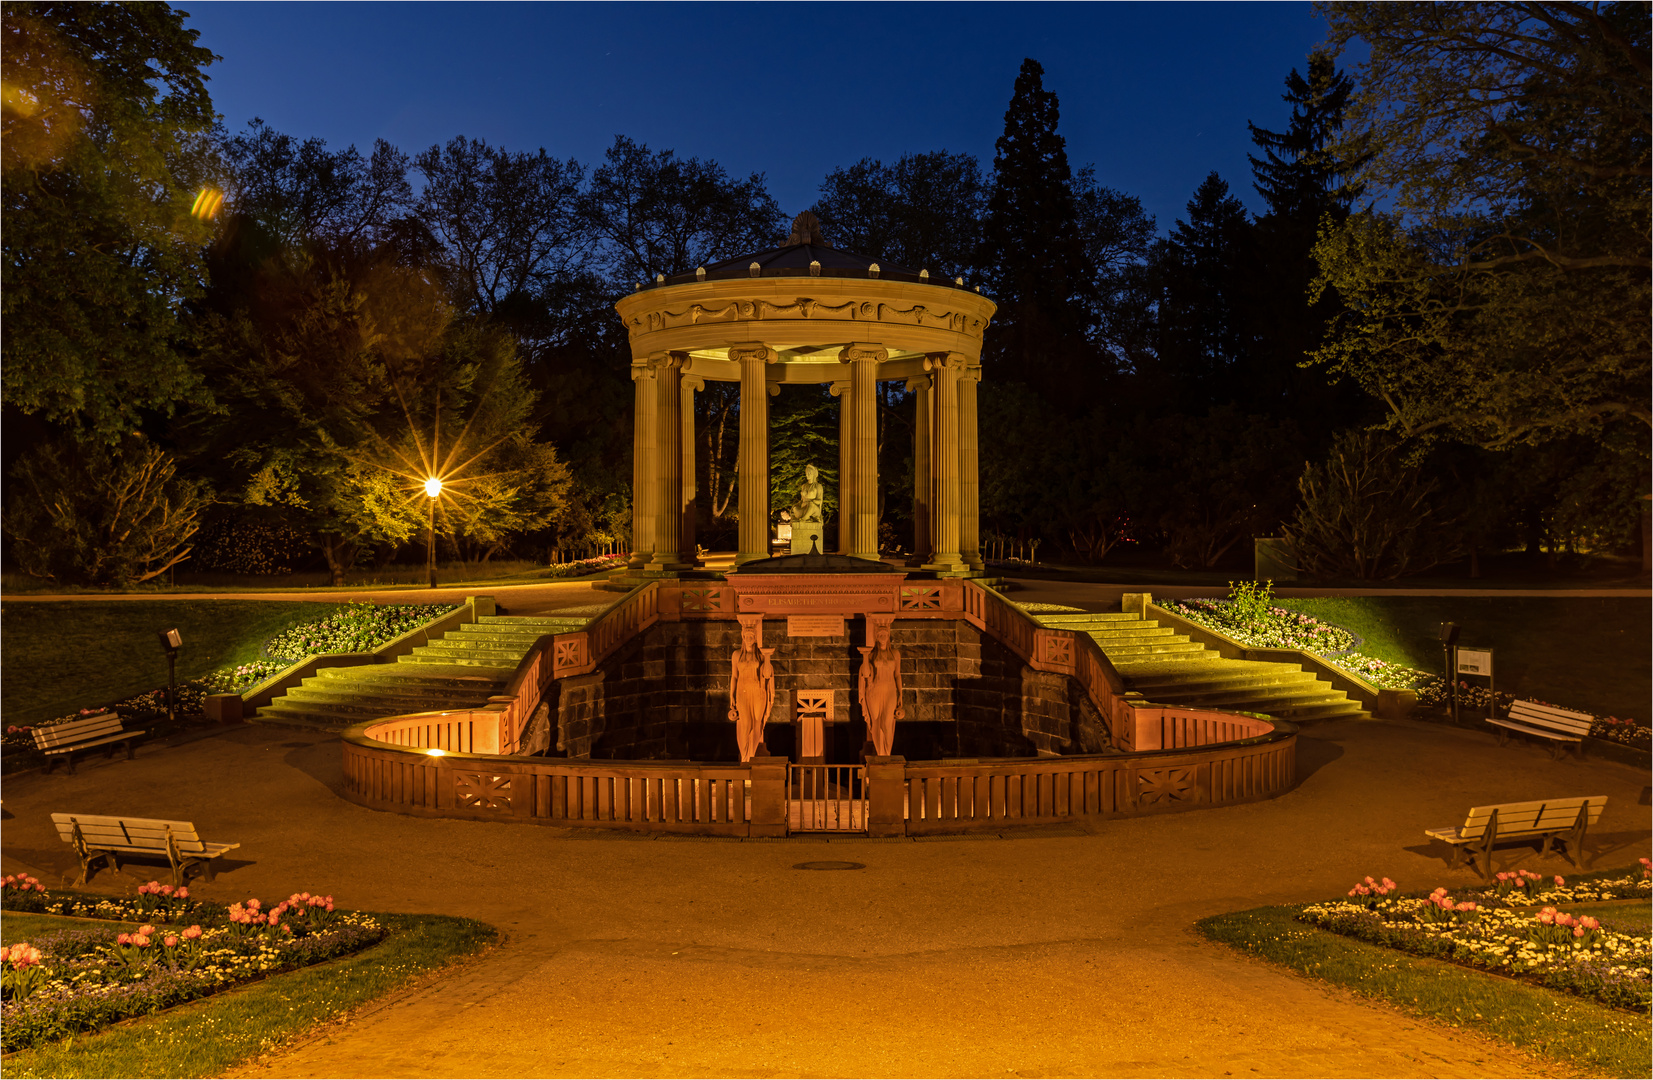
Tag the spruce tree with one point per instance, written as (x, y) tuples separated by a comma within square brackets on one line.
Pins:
[(1304, 184), (1297, 177), (1033, 259)]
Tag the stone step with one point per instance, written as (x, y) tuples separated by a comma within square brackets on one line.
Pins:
[(1267, 699), (324, 714), (518, 644), (368, 708), (385, 698), (466, 651), (506, 663), (537, 623), (1088, 619), (1222, 680), (1140, 650), (1133, 636), (410, 675)]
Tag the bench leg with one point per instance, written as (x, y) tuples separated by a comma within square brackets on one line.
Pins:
[(130, 749)]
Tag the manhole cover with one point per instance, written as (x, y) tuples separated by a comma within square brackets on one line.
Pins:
[(828, 864)]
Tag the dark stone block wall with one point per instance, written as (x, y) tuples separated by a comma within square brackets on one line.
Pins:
[(665, 696)]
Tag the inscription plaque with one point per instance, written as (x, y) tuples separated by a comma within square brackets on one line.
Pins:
[(815, 626)]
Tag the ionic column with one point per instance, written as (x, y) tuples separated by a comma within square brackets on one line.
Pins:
[(945, 369), (668, 479), (969, 480), (845, 394), (687, 547), (753, 473), (863, 359), (644, 462), (923, 483)]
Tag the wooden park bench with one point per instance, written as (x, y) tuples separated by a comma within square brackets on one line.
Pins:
[(1562, 727), (64, 741), (108, 838), (1552, 820)]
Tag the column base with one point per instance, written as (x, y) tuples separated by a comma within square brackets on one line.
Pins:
[(948, 566), (668, 566)]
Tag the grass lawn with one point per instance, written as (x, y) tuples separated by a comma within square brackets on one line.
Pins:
[(1584, 652), (73, 654), (207, 1037), (1540, 1021), (18, 926)]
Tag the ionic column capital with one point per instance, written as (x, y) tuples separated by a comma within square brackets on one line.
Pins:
[(662, 361), (839, 388), (954, 364), (752, 350), (863, 351), (917, 383), (643, 368), (694, 383)]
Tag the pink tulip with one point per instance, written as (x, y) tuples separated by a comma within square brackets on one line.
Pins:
[(140, 940), (253, 904), (192, 933), (1578, 931), (183, 894), (1589, 923), (1560, 881), (170, 941), (146, 930), (124, 939)]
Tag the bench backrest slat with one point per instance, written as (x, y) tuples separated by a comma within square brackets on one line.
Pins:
[(1532, 816), (76, 730), (145, 833), (1530, 712)]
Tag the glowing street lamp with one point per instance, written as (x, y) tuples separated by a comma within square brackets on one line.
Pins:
[(433, 488)]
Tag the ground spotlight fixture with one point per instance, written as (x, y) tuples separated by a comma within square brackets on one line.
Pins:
[(171, 641)]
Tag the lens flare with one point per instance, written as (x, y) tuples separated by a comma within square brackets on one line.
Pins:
[(207, 204)]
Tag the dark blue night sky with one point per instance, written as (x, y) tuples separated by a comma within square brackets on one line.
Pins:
[(1155, 95)]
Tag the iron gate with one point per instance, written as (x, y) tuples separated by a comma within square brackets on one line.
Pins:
[(826, 798)]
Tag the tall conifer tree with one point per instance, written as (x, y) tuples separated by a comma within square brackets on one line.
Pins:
[(1303, 183), (1033, 258)]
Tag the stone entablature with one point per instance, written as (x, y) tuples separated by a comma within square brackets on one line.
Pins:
[(806, 320)]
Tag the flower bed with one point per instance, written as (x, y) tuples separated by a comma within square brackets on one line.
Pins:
[(582, 567), (359, 628), (1250, 618), (1516, 927), (81, 980)]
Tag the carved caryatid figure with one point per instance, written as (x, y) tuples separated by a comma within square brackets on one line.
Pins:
[(881, 687), (751, 687)]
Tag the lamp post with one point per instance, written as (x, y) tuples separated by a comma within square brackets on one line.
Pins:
[(433, 488)]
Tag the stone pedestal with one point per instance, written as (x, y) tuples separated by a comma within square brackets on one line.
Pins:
[(769, 803), (807, 538), (887, 796)]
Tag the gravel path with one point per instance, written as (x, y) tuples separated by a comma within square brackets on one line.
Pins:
[(1063, 952)]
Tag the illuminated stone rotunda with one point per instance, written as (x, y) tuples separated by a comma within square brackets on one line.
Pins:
[(805, 313)]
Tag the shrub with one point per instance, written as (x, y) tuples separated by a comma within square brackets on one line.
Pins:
[(85, 514), (1365, 513)]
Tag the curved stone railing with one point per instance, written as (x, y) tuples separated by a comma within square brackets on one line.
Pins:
[(414, 765), (961, 796)]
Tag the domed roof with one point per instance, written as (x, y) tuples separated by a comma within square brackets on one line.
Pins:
[(805, 254)]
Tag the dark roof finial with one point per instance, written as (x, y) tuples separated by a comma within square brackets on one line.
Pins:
[(806, 229)]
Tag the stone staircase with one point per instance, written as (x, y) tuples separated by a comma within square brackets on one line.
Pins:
[(460, 670), (1169, 668)]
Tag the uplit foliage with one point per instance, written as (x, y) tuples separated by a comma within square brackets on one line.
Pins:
[(106, 137), (1367, 514), (1504, 298), (87, 514)]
